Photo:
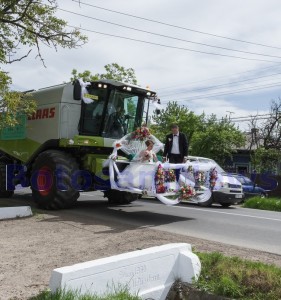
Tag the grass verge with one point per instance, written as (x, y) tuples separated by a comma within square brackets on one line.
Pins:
[(120, 294), (237, 278), (273, 204)]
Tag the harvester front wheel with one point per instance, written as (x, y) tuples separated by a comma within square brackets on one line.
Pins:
[(3, 192), (119, 197), (51, 180)]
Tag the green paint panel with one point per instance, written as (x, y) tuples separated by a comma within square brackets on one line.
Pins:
[(20, 149), (82, 140)]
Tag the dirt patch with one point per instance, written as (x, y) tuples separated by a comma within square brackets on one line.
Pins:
[(31, 248)]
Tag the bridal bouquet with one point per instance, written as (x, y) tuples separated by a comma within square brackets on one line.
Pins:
[(186, 192)]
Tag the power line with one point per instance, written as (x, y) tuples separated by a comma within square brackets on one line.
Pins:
[(176, 26), (220, 85), (247, 120), (167, 36), (172, 47), (211, 78), (249, 116), (224, 94)]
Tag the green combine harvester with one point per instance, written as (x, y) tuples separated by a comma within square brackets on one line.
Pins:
[(59, 150)]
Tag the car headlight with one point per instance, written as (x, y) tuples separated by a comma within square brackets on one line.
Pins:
[(225, 185)]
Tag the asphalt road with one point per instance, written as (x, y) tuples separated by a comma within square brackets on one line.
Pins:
[(254, 229)]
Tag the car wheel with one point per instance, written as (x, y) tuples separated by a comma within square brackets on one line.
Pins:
[(263, 195)]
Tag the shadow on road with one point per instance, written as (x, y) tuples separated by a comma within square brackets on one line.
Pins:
[(112, 218)]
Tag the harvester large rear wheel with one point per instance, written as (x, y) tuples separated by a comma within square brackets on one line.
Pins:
[(3, 192), (119, 197), (51, 183)]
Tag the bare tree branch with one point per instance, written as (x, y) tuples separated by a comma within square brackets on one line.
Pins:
[(19, 59)]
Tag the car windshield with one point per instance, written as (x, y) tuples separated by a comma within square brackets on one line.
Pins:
[(207, 161), (248, 181), (244, 180)]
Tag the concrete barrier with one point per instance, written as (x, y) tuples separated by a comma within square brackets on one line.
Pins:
[(15, 212), (149, 272)]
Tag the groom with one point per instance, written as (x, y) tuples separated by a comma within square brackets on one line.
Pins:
[(176, 146)]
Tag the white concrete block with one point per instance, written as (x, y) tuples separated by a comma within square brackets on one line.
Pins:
[(149, 272), (15, 212)]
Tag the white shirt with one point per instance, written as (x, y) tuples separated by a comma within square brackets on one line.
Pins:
[(175, 147)]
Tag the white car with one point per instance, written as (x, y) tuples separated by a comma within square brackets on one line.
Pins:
[(227, 190)]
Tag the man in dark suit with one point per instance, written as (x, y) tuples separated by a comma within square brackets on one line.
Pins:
[(176, 146)]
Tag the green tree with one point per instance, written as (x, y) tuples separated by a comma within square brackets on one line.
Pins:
[(28, 24), (33, 23), (112, 71), (266, 160), (187, 121), (266, 138), (217, 139)]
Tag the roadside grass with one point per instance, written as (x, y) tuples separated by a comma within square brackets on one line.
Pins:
[(237, 278), (271, 203), (119, 294)]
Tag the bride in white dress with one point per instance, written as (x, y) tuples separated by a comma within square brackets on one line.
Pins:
[(141, 171)]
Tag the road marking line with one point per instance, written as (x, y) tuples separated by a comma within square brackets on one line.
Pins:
[(221, 212)]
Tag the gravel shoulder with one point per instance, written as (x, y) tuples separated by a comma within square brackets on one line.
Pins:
[(31, 248)]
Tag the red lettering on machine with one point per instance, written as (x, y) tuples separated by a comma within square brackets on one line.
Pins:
[(44, 113)]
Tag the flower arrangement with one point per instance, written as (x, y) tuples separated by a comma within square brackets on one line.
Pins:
[(160, 180), (185, 192), (189, 169), (200, 178), (170, 176), (213, 176), (141, 133)]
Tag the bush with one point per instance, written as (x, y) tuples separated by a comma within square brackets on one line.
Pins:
[(273, 204)]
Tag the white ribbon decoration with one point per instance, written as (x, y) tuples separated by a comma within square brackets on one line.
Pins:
[(85, 91), (123, 144)]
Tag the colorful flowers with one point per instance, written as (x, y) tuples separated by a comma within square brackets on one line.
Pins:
[(141, 133), (160, 180), (186, 192), (200, 178), (170, 176), (213, 176)]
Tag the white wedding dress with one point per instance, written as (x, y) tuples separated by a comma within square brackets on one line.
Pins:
[(140, 173)]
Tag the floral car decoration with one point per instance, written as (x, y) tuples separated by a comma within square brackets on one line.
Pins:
[(185, 192), (141, 133), (157, 179)]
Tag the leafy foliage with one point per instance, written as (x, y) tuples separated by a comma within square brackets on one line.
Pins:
[(28, 24), (266, 160), (207, 136), (217, 139), (113, 71), (12, 104), (187, 121), (266, 137), (32, 23)]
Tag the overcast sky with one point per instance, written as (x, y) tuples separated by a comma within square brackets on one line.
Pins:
[(175, 74)]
